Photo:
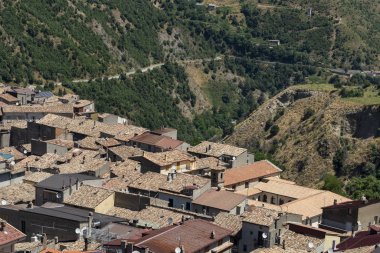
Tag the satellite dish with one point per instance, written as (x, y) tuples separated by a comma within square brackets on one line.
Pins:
[(13, 163), (77, 231), (310, 245), (264, 235), (135, 251), (25, 151), (178, 250), (4, 202), (170, 221)]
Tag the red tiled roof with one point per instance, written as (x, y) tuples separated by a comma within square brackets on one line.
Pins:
[(193, 235), (361, 239), (247, 172), (10, 234), (8, 97), (160, 141), (354, 203)]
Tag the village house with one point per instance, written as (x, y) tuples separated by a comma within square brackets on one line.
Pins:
[(368, 240), (231, 222), (24, 95), (154, 142), (8, 99), (22, 193), (247, 176), (210, 167), (42, 96), (166, 131), (83, 107), (178, 189), (54, 146), (9, 236), (212, 202), (35, 112), (111, 119), (59, 187), (53, 220), (122, 153), (351, 215), (92, 198), (166, 162), (96, 167), (13, 133), (191, 236), (263, 228), (233, 156)]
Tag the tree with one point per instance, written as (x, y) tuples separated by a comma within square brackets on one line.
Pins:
[(332, 183), (338, 160), (368, 187), (274, 130)]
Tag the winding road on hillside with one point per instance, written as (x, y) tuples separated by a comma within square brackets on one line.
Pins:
[(150, 67)]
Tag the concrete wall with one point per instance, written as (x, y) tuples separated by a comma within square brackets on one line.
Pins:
[(369, 215), (5, 138), (136, 202), (272, 198), (30, 223), (252, 233), (341, 218), (237, 210)]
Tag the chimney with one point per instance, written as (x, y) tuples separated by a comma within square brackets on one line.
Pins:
[(182, 249), (90, 218), (2, 225), (56, 240), (77, 184), (212, 236), (146, 250), (30, 205), (169, 177), (218, 188), (123, 246), (166, 157), (209, 147), (44, 241), (335, 202), (364, 199), (129, 247), (283, 245), (71, 186)]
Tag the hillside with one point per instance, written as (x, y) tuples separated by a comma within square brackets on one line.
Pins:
[(314, 126)]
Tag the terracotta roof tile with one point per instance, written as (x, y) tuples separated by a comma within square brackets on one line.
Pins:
[(10, 234), (88, 196), (217, 149), (17, 193), (288, 190), (248, 172), (160, 141), (217, 199), (168, 157), (126, 151)]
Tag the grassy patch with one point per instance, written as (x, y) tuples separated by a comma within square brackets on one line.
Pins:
[(316, 86), (371, 97)]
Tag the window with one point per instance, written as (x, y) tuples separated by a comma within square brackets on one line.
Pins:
[(171, 202), (281, 201), (265, 198), (244, 247), (349, 211), (238, 209), (376, 219), (221, 175), (188, 205), (272, 200), (23, 226), (246, 184)]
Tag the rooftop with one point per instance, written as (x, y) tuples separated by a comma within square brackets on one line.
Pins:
[(128, 170), (248, 172), (168, 157), (8, 97), (88, 197), (14, 152), (160, 141), (288, 190), (62, 108), (81, 165), (195, 236), (36, 177), (88, 143), (311, 206), (216, 149), (17, 193), (23, 91), (126, 151), (151, 216), (229, 221), (261, 216), (361, 239), (152, 181), (210, 163), (217, 199), (107, 142), (353, 204), (58, 181), (82, 103), (10, 234), (59, 142)]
